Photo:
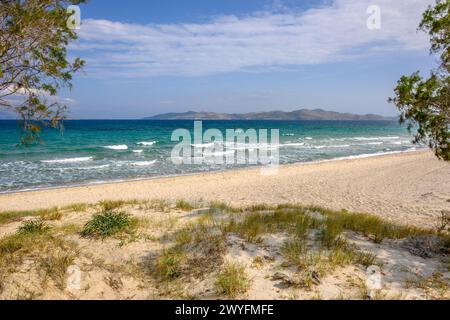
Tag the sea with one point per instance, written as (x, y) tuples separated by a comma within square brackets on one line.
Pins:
[(97, 151)]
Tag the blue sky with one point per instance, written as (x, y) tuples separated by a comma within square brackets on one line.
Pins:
[(150, 57)]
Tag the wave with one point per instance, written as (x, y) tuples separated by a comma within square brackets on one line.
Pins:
[(373, 138), (93, 167), (244, 146), (218, 153), (332, 146), (68, 160), (203, 145), (143, 163), (117, 147), (79, 168), (147, 143), (138, 151), (288, 134), (299, 144)]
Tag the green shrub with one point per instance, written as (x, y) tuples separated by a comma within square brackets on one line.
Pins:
[(33, 226), (168, 264), (232, 280), (293, 251), (109, 205), (50, 214), (184, 205), (107, 224), (330, 233)]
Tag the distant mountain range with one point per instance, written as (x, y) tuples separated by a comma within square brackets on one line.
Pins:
[(302, 114)]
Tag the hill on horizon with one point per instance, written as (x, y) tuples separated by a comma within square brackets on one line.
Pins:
[(301, 114)]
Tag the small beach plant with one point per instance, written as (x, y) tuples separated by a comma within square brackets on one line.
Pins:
[(107, 224)]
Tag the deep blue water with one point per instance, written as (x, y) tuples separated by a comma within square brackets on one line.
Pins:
[(108, 150)]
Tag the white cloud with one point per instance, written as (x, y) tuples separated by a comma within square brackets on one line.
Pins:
[(258, 42), (18, 97)]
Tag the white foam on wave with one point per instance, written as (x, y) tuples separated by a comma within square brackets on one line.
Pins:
[(252, 146), (147, 143), (299, 144), (219, 153), (68, 160), (138, 151), (92, 167), (308, 138), (372, 138), (143, 163), (332, 146), (375, 143), (117, 147), (288, 134), (79, 168), (203, 145)]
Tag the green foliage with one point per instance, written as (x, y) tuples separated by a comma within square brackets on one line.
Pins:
[(107, 224), (330, 233), (168, 264), (425, 103), (293, 251), (232, 280), (33, 226), (10, 216), (50, 214), (109, 205), (34, 36), (184, 205), (436, 21)]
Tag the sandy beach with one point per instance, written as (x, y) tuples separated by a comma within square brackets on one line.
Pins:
[(408, 188), (157, 246)]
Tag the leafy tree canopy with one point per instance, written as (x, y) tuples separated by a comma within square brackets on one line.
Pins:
[(424, 103), (34, 35)]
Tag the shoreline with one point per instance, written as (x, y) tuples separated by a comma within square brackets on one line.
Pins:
[(125, 180), (409, 187)]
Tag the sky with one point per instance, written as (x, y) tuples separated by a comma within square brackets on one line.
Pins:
[(149, 57)]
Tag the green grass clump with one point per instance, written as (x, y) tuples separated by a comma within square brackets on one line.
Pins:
[(107, 224), (259, 207), (77, 207), (157, 204), (293, 251), (44, 214), (11, 216), (14, 243), (184, 237), (50, 214), (184, 205), (168, 264), (34, 239), (33, 226), (220, 206), (302, 226), (232, 280), (55, 266), (370, 225), (330, 233), (109, 205)]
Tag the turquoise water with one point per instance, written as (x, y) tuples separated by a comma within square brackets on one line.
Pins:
[(106, 150)]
